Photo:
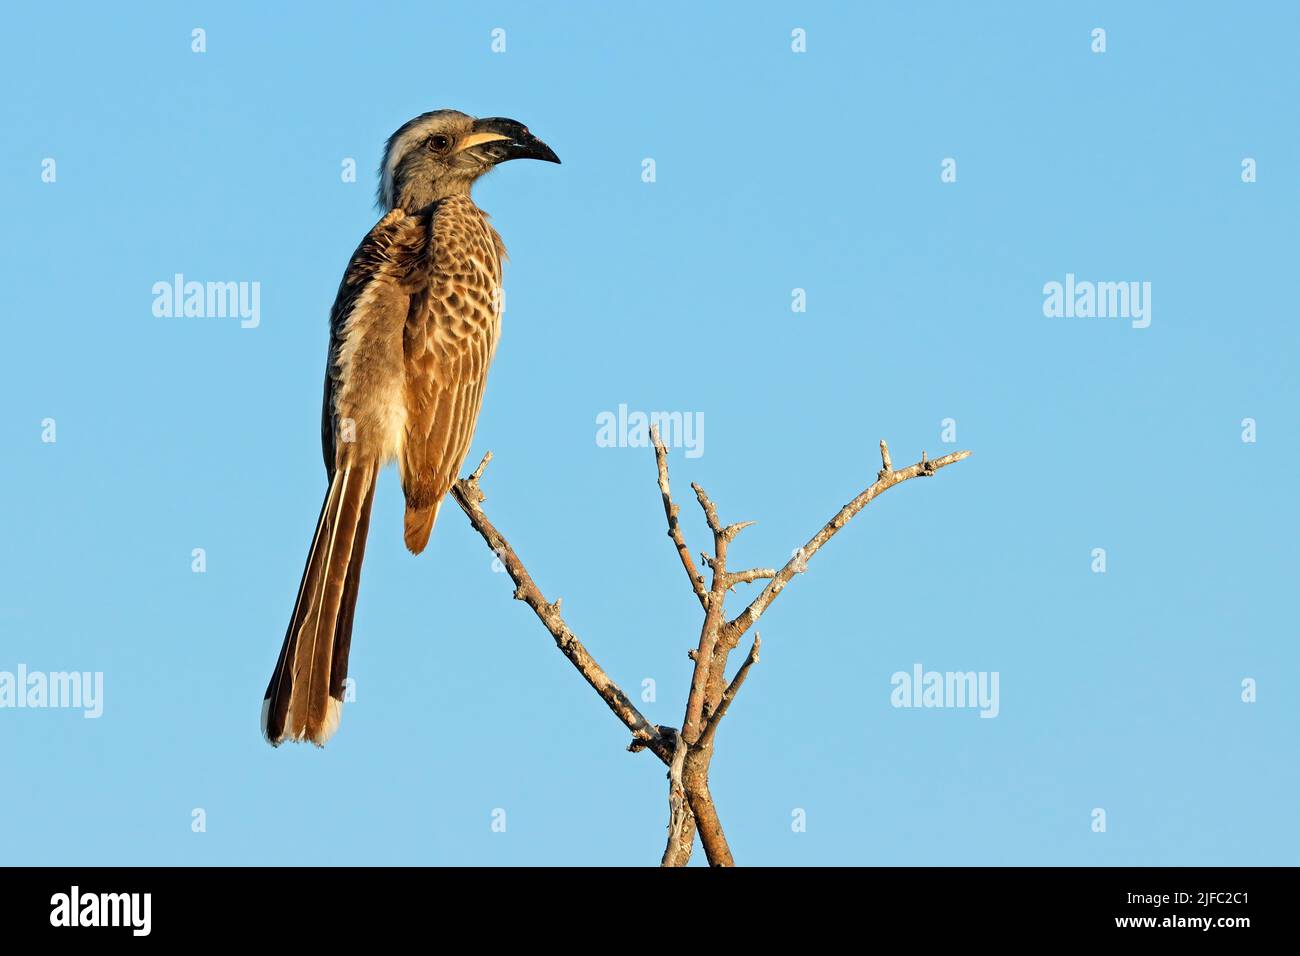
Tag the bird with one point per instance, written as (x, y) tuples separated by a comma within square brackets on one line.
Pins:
[(413, 330)]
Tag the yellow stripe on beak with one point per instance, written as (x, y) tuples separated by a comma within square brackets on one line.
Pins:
[(478, 139)]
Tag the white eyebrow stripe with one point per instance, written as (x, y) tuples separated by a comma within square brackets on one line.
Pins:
[(395, 154)]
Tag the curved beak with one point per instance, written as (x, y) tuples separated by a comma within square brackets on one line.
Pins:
[(501, 140)]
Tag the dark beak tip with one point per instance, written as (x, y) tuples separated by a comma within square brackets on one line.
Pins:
[(539, 150)]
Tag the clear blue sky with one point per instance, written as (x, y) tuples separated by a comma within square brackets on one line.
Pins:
[(775, 171)]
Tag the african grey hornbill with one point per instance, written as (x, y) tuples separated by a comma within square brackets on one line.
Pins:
[(412, 332)]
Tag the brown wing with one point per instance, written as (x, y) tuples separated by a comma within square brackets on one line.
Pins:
[(362, 424), (451, 333), (361, 410)]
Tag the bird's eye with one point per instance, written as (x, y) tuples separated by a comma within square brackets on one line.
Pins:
[(438, 142)]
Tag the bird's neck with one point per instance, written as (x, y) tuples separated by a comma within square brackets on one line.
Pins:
[(421, 195)]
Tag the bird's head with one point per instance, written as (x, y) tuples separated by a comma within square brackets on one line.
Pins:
[(442, 153)]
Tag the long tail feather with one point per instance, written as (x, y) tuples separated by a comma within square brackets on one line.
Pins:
[(304, 700)]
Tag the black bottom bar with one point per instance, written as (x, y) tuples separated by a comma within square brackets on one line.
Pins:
[(337, 905)]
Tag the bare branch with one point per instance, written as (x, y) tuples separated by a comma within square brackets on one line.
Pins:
[(710, 512), (679, 810), (671, 511), (688, 752), (469, 496), (713, 618), (706, 738), (750, 576), (706, 658), (887, 479), (681, 851), (478, 472), (731, 530), (707, 824)]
